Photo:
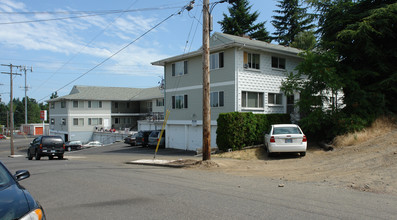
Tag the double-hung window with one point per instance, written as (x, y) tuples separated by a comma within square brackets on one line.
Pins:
[(179, 102), (252, 99), (75, 104), (78, 121), (217, 99), (251, 60), (94, 121), (275, 98), (94, 104), (179, 68), (159, 102), (216, 61), (278, 63), (63, 104)]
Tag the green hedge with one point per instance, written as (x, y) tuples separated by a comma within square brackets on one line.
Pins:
[(237, 130)]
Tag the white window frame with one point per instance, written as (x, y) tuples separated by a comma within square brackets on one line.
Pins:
[(249, 60), (276, 64), (275, 99), (95, 121), (159, 102), (217, 99), (180, 101), (179, 68), (217, 60), (78, 122), (245, 100)]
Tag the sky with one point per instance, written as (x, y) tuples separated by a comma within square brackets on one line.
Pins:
[(101, 43)]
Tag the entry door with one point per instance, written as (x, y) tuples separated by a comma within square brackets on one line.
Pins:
[(106, 123)]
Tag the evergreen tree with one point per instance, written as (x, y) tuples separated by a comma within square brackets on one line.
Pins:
[(241, 22), (293, 19)]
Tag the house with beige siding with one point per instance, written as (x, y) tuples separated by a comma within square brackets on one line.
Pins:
[(245, 76), (88, 109)]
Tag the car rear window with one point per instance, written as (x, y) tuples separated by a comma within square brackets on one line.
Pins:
[(52, 140), (286, 130), (154, 134)]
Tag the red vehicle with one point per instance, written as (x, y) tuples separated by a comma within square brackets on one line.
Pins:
[(2, 136)]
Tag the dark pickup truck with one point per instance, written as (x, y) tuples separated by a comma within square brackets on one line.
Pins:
[(46, 146)]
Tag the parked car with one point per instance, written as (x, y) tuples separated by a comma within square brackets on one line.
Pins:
[(285, 138), (2, 136), (142, 138), (131, 139), (154, 138), (93, 144), (15, 201), (73, 145), (46, 146)]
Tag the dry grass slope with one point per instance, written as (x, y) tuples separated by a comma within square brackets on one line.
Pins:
[(379, 127)]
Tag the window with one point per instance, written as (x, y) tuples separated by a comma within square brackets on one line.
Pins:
[(78, 121), (128, 105), (216, 61), (149, 106), (216, 99), (251, 60), (75, 104), (116, 105), (179, 68), (63, 122), (52, 105), (52, 121), (116, 120), (275, 98), (278, 63), (252, 100), (94, 104), (159, 102), (95, 121), (63, 104), (179, 101)]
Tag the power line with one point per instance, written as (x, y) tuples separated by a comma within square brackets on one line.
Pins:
[(92, 40), (89, 14), (180, 11)]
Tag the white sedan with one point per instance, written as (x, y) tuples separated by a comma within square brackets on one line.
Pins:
[(93, 144), (286, 138)]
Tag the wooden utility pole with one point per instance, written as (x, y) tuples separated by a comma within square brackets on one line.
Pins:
[(206, 84), (11, 107), (26, 97)]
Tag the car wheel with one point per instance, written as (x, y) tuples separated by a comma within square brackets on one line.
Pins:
[(50, 157), (60, 157), (30, 156), (302, 154), (69, 149), (37, 156)]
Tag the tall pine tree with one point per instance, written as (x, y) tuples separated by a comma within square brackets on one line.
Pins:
[(241, 22), (293, 19)]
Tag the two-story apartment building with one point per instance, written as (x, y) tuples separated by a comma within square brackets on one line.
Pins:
[(245, 76), (90, 108)]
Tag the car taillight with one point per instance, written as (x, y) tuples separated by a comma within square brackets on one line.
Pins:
[(304, 138), (63, 146), (41, 146), (272, 140)]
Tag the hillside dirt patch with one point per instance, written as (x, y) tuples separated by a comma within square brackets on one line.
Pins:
[(369, 166)]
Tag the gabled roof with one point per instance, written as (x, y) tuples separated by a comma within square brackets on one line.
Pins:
[(111, 94), (220, 41)]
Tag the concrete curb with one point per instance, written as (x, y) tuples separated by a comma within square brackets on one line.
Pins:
[(155, 162)]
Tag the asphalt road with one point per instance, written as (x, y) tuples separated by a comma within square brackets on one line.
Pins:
[(97, 184)]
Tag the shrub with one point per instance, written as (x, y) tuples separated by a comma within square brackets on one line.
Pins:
[(237, 130)]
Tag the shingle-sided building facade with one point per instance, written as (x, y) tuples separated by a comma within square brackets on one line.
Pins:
[(245, 76), (90, 108)]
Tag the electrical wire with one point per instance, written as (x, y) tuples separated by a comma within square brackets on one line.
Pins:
[(92, 40), (102, 62), (86, 15)]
